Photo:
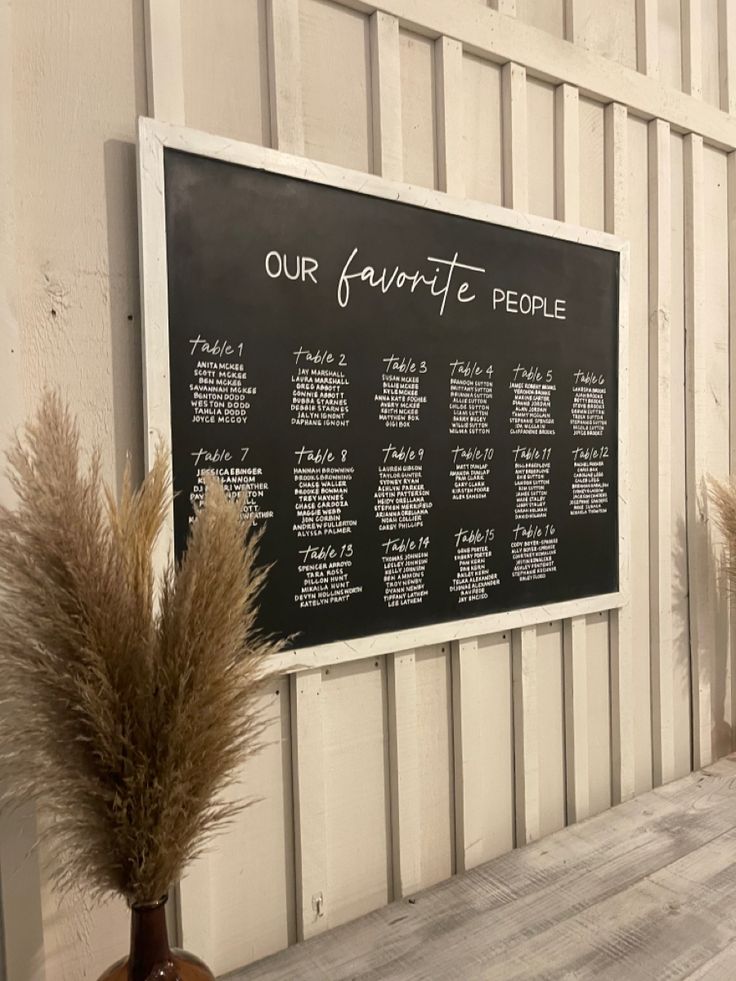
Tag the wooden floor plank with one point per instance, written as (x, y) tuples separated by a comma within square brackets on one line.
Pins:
[(645, 890), (666, 925), (718, 968)]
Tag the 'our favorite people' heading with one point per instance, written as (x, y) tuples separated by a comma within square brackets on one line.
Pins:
[(448, 280)]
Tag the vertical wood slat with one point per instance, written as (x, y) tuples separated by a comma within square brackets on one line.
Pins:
[(164, 61), (310, 853), (435, 746), (647, 37), (731, 207), (404, 773), (515, 156), (507, 7), (386, 90), (701, 623), (285, 76), (482, 706), (449, 103), (727, 54), (526, 734), (570, 20), (692, 47), (567, 206), (576, 718), (622, 695), (660, 452), (466, 725), (732, 304), (567, 152)]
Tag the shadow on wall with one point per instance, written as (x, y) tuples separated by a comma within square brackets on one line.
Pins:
[(22, 947), (124, 303), (721, 687), (681, 625), (121, 203), (710, 629)]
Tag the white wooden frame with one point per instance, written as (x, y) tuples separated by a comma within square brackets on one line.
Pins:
[(154, 136)]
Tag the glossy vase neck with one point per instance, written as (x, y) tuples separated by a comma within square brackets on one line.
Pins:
[(151, 958), (149, 940)]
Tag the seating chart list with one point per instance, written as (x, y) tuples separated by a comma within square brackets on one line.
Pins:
[(422, 408)]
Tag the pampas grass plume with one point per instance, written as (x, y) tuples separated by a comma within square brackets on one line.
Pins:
[(126, 703)]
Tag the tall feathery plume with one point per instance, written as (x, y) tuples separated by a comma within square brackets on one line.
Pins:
[(126, 704)]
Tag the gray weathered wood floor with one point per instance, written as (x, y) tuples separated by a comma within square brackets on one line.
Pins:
[(646, 890)]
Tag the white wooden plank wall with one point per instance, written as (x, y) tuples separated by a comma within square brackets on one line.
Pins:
[(386, 775), (429, 761), (258, 918)]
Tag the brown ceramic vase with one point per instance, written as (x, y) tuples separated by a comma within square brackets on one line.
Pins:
[(151, 958)]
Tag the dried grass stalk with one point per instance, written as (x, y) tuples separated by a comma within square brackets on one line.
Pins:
[(121, 716)]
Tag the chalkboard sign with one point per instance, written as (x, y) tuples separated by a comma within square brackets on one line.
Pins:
[(423, 406)]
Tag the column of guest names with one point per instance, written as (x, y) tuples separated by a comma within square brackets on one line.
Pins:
[(401, 500), (533, 545), (401, 503), (221, 393), (589, 490), (400, 399), (322, 479)]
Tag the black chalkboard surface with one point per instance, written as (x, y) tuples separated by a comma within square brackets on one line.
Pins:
[(424, 406)]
